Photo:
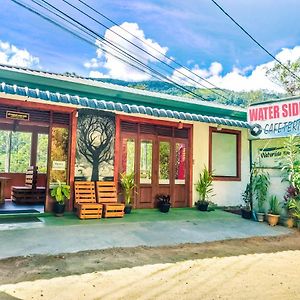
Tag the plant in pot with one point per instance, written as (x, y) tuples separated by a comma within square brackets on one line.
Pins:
[(260, 184), (291, 197), (163, 202), (61, 193), (274, 211), (204, 187), (294, 207), (246, 208), (128, 185)]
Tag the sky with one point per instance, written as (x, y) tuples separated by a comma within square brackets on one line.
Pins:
[(195, 34)]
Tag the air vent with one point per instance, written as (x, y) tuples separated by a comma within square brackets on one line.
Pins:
[(60, 118), (164, 131), (129, 127), (147, 129), (181, 133)]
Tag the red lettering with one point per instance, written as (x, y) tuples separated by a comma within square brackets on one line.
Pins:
[(284, 111), (253, 114), (260, 114), (276, 111)]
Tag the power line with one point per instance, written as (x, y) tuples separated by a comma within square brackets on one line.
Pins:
[(92, 43), (145, 51), (254, 40), (116, 48)]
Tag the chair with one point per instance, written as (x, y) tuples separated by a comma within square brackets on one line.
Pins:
[(85, 200), (30, 193), (107, 196)]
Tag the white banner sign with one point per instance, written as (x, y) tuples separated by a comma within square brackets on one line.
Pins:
[(273, 120)]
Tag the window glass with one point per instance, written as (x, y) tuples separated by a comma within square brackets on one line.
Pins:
[(146, 162), (180, 163), (59, 155), (20, 151), (224, 154), (128, 148), (4, 150), (42, 153), (164, 162)]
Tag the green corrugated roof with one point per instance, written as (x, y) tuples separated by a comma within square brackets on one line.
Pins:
[(93, 89)]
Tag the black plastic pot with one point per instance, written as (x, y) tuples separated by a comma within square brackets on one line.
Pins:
[(164, 207), (127, 209), (246, 214), (59, 209), (202, 206)]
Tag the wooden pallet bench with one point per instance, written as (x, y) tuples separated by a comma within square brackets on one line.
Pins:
[(107, 195), (85, 200), (29, 193)]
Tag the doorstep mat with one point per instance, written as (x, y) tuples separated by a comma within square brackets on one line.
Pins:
[(18, 211), (19, 220)]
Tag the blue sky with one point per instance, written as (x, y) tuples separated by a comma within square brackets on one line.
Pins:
[(194, 33)]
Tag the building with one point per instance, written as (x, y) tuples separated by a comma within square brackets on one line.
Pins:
[(75, 128)]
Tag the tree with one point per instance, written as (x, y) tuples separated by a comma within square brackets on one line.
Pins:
[(280, 75), (96, 139)]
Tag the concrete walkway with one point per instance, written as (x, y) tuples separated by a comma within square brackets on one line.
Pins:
[(63, 236)]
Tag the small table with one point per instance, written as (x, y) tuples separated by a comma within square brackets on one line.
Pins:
[(3, 181)]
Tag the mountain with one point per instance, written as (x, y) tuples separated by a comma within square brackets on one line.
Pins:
[(227, 97)]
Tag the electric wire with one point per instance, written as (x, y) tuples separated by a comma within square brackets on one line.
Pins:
[(92, 43), (147, 52), (116, 48), (254, 40)]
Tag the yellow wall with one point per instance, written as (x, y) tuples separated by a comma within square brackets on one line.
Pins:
[(227, 192)]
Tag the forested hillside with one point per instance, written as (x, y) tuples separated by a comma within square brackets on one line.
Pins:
[(242, 99)]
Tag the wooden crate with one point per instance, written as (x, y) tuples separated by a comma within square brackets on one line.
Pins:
[(27, 195), (113, 210), (107, 195), (89, 211)]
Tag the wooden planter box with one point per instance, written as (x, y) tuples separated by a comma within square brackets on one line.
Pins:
[(89, 211)]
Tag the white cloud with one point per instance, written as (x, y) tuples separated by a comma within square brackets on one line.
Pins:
[(115, 68), (11, 55), (246, 79)]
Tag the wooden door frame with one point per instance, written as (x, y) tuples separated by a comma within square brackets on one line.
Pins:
[(174, 124)]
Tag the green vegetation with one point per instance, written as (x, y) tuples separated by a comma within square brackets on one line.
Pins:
[(242, 99), (260, 186), (128, 185), (61, 192), (204, 185)]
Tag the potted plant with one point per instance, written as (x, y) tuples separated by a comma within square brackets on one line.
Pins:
[(163, 202), (260, 181), (292, 193), (246, 208), (274, 211), (128, 185), (61, 193), (294, 206), (204, 187)]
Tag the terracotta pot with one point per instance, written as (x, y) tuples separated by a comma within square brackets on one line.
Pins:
[(289, 222), (260, 216), (273, 219)]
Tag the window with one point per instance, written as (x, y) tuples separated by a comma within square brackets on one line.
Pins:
[(128, 155), (146, 162), (180, 163), (164, 162), (20, 149), (225, 154), (42, 152)]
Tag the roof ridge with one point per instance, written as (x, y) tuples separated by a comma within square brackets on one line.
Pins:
[(97, 83)]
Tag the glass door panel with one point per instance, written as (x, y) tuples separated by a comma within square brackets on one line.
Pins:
[(180, 163), (146, 162), (4, 150), (164, 162), (20, 152), (42, 153), (128, 155)]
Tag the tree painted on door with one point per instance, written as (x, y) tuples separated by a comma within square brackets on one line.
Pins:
[(95, 144)]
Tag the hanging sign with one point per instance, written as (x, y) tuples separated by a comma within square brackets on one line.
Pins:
[(16, 115), (273, 120)]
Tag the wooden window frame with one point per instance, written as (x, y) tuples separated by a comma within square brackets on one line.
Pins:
[(237, 133)]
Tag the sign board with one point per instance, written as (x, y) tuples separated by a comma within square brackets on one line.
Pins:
[(273, 120), (16, 115), (58, 165)]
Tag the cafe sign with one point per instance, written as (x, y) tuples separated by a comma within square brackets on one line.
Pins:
[(273, 120), (16, 115)]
